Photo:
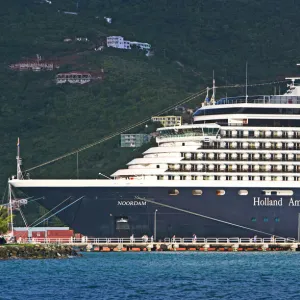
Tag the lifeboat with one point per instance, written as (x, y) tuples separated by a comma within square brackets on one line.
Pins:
[(256, 178), (245, 178), (290, 168), (290, 145), (234, 167), (256, 167), (245, 145), (245, 133), (188, 167), (233, 144), (199, 155), (233, 133), (290, 156), (222, 145), (279, 145), (211, 167), (222, 156), (279, 178), (290, 134), (199, 177), (199, 167), (177, 167), (267, 145), (256, 133), (256, 156), (256, 145), (279, 156), (211, 155), (233, 156), (245, 156), (223, 178), (176, 177), (279, 168), (279, 133), (188, 155), (268, 178), (268, 133), (268, 168), (267, 156), (245, 167), (222, 167)]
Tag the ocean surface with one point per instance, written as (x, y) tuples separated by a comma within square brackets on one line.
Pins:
[(156, 275)]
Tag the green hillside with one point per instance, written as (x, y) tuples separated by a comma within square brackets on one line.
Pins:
[(190, 38)]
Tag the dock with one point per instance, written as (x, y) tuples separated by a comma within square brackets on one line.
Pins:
[(177, 244)]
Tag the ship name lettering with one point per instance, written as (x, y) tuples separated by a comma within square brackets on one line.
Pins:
[(257, 201), (293, 202), (132, 203)]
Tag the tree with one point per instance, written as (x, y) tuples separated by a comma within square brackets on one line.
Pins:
[(4, 219)]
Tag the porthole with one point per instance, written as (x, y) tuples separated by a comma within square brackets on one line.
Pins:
[(173, 192), (220, 192), (197, 192), (243, 192), (277, 220), (266, 219), (253, 219)]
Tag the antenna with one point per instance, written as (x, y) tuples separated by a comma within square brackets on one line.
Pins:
[(214, 89), (246, 81), (19, 162)]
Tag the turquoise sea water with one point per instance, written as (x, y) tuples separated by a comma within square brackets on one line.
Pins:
[(156, 275)]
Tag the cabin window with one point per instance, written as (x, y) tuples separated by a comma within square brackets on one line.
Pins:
[(173, 192), (266, 219), (253, 219), (243, 192), (183, 144), (220, 192), (157, 166), (277, 220), (197, 192)]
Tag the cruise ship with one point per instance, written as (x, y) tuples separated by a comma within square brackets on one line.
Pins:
[(233, 172)]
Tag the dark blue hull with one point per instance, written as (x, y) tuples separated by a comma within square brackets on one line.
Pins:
[(107, 212)]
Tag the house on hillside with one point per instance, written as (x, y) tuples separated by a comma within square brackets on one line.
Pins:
[(120, 43), (168, 121), (134, 140)]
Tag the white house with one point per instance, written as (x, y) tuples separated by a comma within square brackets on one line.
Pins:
[(119, 42)]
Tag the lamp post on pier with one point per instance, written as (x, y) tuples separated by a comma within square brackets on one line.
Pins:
[(155, 225)]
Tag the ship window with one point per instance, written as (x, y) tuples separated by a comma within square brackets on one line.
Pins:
[(197, 192), (273, 193), (266, 219), (183, 144), (277, 220), (157, 166), (243, 192), (220, 192), (173, 192), (253, 219)]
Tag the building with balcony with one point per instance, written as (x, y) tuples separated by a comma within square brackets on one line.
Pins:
[(120, 43)]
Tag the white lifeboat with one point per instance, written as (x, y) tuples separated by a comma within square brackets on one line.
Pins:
[(268, 133), (177, 167), (256, 167), (290, 145), (234, 167), (290, 168), (279, 133), (233, 156), (245, 156), (233, 144), (256, 145), (256, 178), (222, 156), (188, 167), (211, 155), (188, 155), (279, 178), (176, 177), (268, 145), (222, 145), (223, 178), (199, 155), (199, 167), (256, 156), (268, 168), (234, 178), (279, 156), (267, 156), (211, 167), (256, 133), (290, 134), (245, 133), (290, 156), (279, 167), (233, 133), (245, 167), (222, 167), (245, 145), (245, 178), (199, 177), (279, 145)]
